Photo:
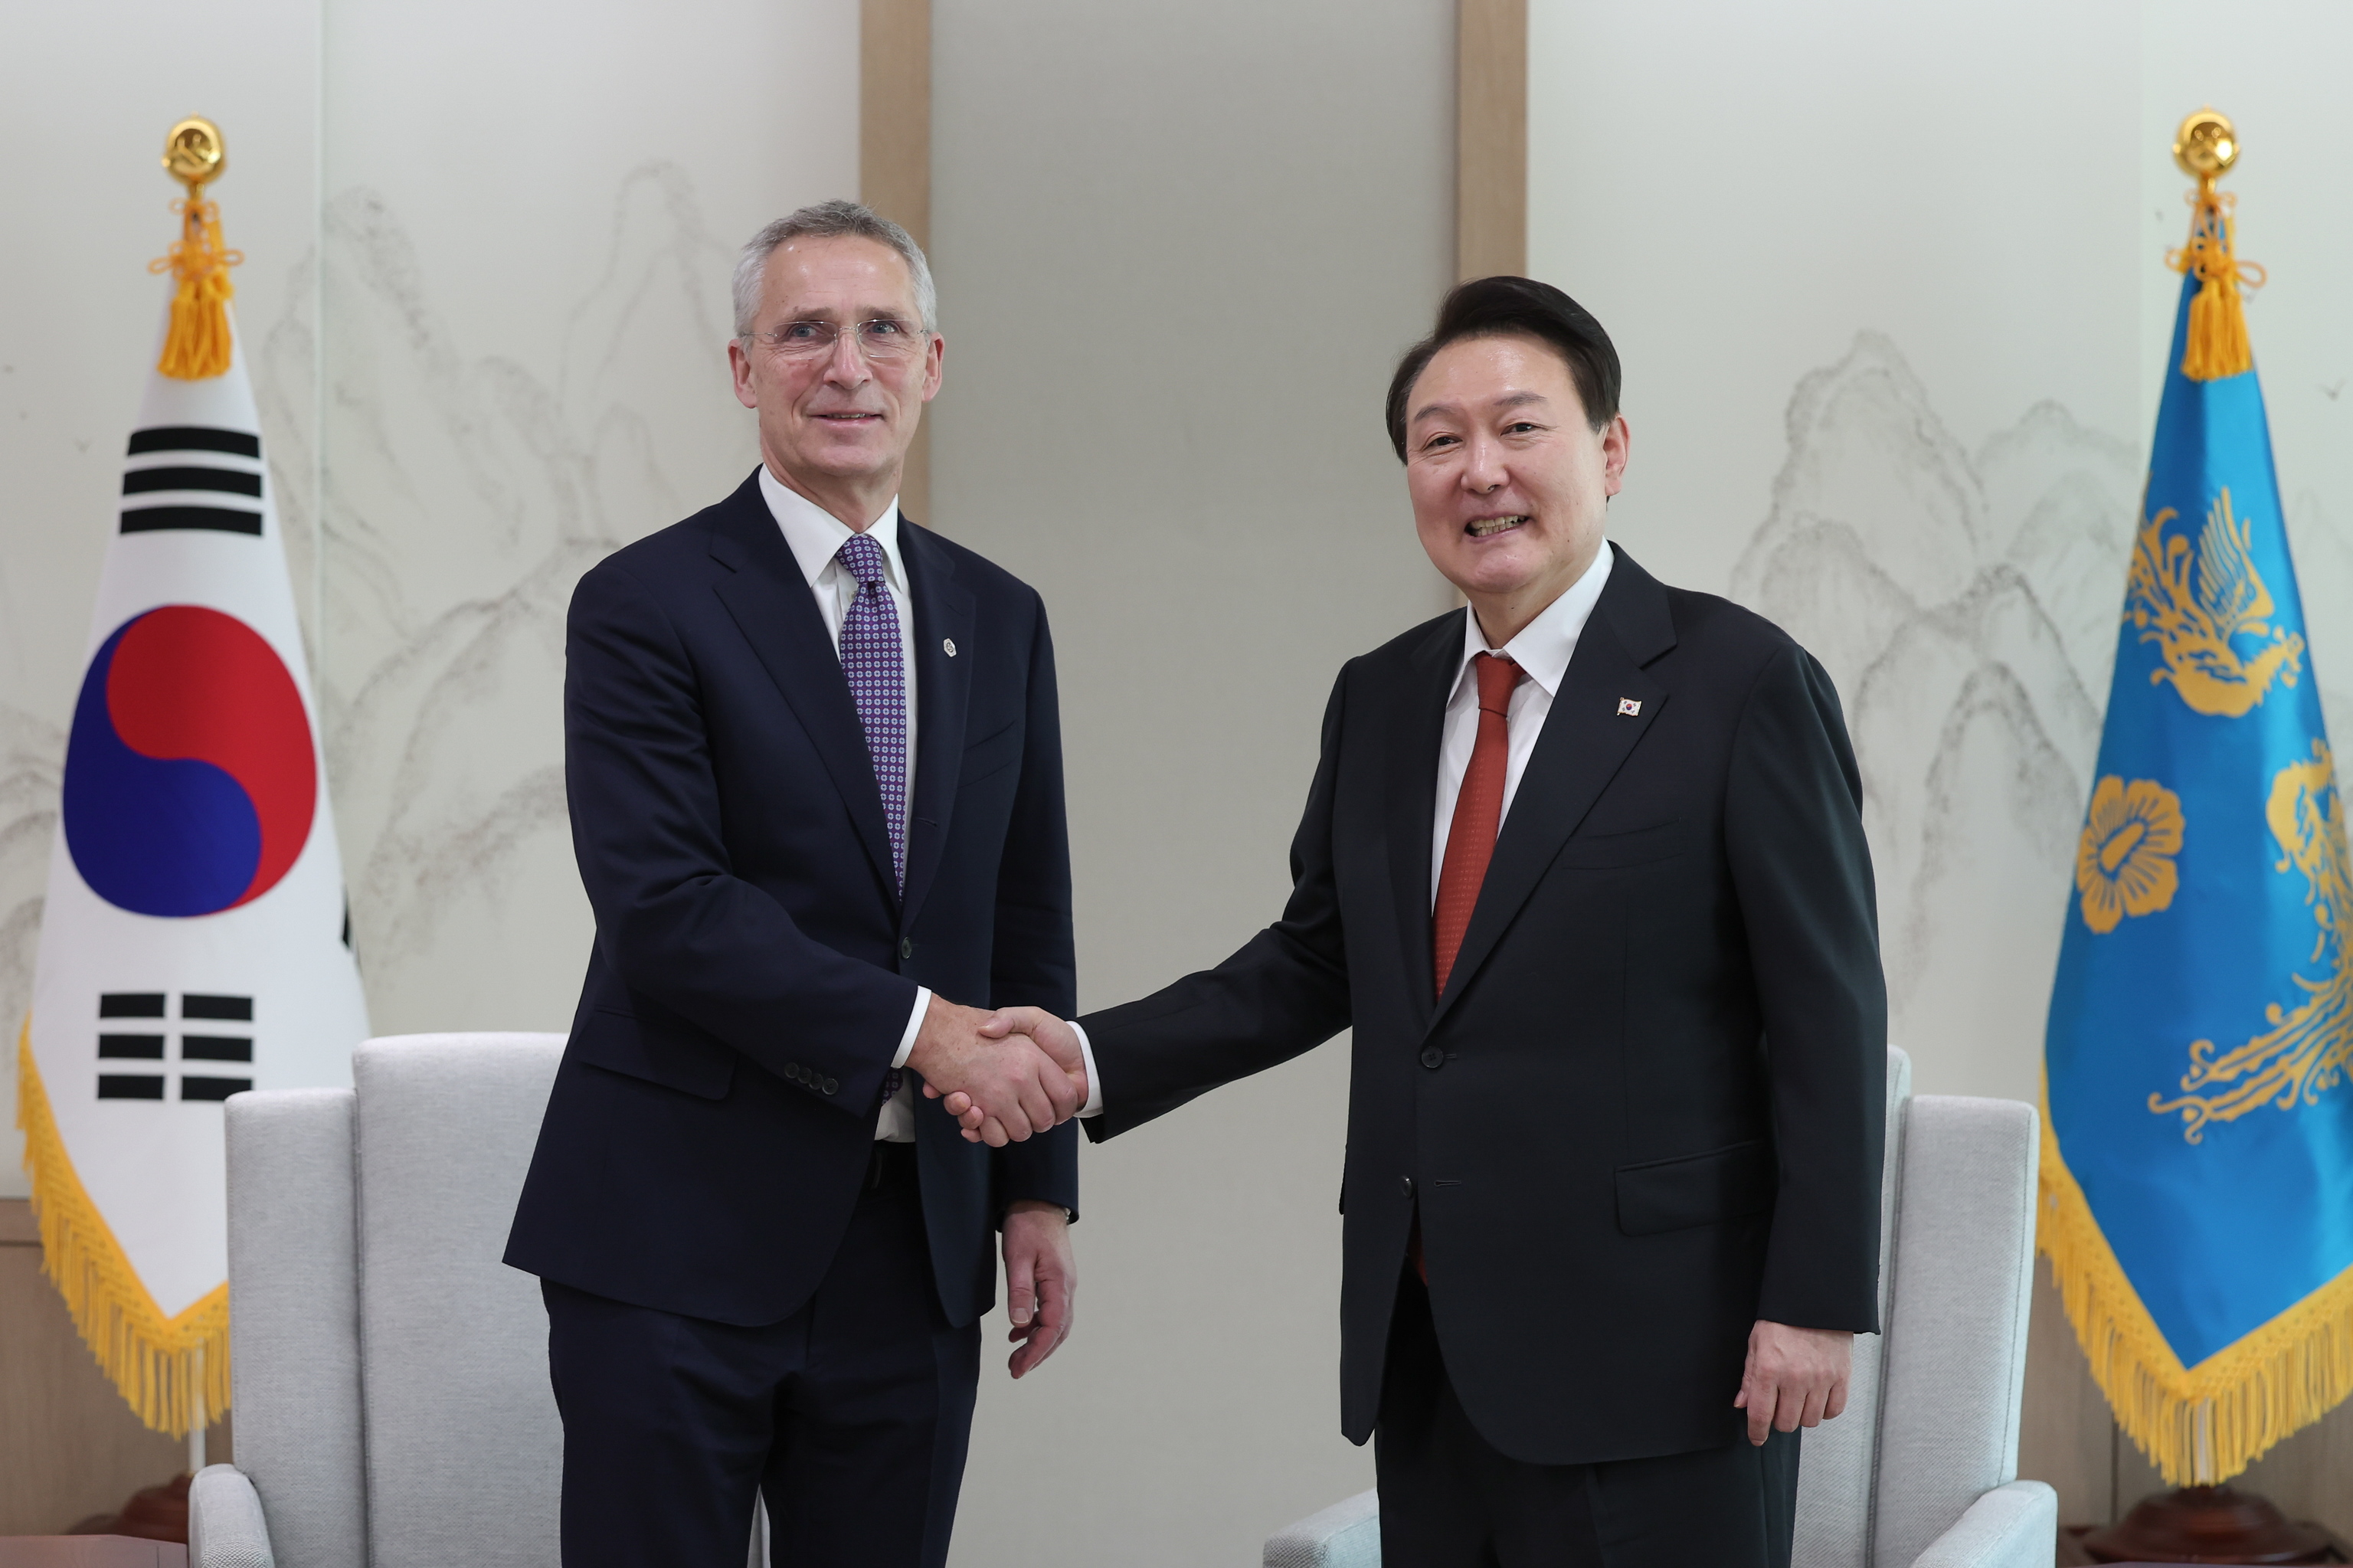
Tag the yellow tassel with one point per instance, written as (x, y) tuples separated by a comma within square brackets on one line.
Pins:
[(2199, 1425), (197, 345), (154, 1361), (2217, 343)]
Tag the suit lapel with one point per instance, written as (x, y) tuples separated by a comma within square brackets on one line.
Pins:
[(1587, 738), (771, 603), (944, 617), (1417, 728)]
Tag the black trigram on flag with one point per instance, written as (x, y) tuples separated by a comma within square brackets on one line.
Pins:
[(204, 1021), (192, 476)]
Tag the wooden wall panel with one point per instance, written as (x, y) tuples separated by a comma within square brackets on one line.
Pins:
[(894, 160), (1491, 137), (69, 1447)]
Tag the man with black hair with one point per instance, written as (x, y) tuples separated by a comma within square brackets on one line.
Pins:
[(1583, 866)]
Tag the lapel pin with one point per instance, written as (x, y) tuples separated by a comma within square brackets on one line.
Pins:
[(1628, 708), (948, 646)]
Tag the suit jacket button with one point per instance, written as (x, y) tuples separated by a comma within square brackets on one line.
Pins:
[(832, 1085), (1432, 1057), (906, 948), (1407, 1181)]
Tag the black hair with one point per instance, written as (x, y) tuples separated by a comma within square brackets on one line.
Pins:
[(1515, 307)]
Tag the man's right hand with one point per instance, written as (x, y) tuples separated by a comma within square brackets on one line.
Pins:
[(1052, 1035), (1008, 1087)]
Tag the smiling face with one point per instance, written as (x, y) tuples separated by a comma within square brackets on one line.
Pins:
[(837, 427), (1510, 484)]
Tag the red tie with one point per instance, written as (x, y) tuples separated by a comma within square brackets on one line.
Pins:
[(1471, 843), (1478, 812)]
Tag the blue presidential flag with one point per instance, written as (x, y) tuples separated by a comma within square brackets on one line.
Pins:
[(2198, 1164)]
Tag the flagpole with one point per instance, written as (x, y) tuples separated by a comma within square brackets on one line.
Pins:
[(197, 1416), (197, 345)]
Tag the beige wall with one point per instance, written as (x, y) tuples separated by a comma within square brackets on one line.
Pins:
[(1179, 248)]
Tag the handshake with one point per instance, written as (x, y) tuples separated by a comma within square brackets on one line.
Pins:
[(1003, 1075)]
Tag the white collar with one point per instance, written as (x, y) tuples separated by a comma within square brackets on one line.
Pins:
[(817, 536), (1544, 646)]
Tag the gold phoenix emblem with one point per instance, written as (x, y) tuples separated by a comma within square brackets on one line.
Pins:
[(2304, 1053), (2123, 862), (2196, 626)]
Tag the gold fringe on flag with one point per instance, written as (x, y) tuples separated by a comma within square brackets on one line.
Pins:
[(160, 1365), (2199, 1425), (197, 345)]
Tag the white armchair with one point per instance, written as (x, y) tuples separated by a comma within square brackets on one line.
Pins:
[(392, 1407), (1922, 1470)]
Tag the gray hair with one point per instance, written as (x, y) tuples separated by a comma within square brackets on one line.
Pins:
[(829, 220)]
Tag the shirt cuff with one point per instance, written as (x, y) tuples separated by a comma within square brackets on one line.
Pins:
[(914, 1027), (1094, 1080)]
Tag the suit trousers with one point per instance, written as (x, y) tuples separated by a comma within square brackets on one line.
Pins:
[(1452, 1499), (850, 1416)]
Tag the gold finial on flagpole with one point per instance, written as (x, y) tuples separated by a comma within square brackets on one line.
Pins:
[(193, 154), (197, 343), (2205, 148)]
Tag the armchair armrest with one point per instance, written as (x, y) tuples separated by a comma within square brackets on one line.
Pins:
[(225, 1529), (2016, 1526), (1345, 1535)]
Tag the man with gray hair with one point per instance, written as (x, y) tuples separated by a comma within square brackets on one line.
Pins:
[(814, 766)]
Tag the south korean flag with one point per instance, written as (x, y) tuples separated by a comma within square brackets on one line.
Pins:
[(195, 941)]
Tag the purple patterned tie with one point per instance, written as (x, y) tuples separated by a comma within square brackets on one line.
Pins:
[(874, 660)]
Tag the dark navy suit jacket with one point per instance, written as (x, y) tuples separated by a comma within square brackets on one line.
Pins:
[(1648, 1107), (754, 968)]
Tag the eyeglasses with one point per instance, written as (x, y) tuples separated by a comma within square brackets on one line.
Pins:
[(883, 338)]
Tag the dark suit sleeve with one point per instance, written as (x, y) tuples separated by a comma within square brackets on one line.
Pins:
[(645, 828), (1801, 869), (1285, 992), (1033, 963)]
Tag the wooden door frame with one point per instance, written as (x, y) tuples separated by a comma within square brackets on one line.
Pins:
[(1490, 138), (894, 161)]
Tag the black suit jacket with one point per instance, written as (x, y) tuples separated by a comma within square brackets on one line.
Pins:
[(754, 966), (1648, 1109)]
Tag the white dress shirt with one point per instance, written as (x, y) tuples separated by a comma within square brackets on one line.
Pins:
[(1543, 649), (815, 537)]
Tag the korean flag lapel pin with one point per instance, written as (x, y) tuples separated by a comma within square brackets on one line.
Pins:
[(1630, 708)]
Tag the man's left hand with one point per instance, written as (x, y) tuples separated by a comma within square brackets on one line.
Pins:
[(1795, 1377), (1042, 1281)]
